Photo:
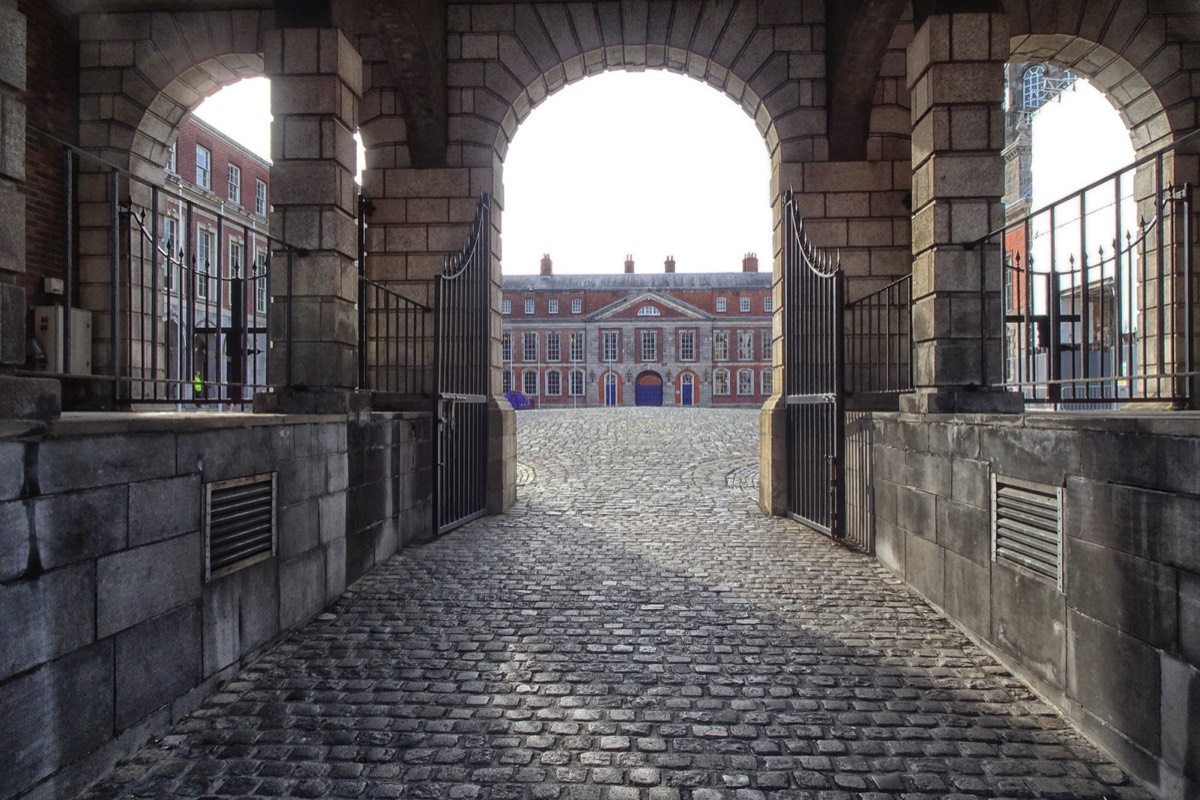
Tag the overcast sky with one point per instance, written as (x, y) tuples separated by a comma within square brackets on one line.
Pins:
[(649, 164)]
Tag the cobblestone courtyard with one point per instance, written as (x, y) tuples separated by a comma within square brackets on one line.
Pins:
[(634, 628)]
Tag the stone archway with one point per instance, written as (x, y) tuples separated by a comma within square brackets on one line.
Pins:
[(648, 389)]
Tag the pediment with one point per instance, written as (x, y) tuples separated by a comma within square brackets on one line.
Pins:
[(648, 306)]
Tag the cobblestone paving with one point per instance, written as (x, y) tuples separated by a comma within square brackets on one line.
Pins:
[(633, 629)]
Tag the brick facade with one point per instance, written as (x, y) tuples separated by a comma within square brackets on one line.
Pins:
[(703, 338)]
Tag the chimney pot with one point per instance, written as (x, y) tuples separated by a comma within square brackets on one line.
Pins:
[(547, 265), (669, 264), (629, 265), (750, 263)]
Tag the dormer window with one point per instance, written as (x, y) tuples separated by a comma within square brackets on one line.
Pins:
[(649, 311)]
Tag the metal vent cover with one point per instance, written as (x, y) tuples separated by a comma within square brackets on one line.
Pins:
[(239, 523), (1027, 527)]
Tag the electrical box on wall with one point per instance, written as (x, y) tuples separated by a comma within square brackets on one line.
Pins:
[(48, 331)]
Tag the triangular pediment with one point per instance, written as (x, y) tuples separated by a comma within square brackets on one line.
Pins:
[(643, 305)]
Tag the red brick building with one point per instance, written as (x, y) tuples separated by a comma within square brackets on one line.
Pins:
[(684, 339)]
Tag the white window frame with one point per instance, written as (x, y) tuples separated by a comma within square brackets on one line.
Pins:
[(235, 259), (260, 197), (687, 345), (768, 304), (578, 385), (529, 306), (744, 305), (720, 346), (745, 348), (529, 344), (552, 306), (173, 158), (204, 251), (234, 184), (506, 347), (506, 381), (721, 383), (611, 346), (203, 167), (506, 306), (745, 382), (649, 311), (720, 305), (261, 282), (576, 346), (553, 383), (553, 346), (525, 382), (768, 344), (576, 305), (649, 345), (767, 381)]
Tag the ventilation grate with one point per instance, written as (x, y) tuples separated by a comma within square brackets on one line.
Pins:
[(1027, 526), (239, 523)]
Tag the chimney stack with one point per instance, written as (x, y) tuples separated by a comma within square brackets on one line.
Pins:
[(669, 265), (629, 265), (547, 265), (750, 263)]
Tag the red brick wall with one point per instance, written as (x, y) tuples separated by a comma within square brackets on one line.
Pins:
[(223, 154), (52, 106)]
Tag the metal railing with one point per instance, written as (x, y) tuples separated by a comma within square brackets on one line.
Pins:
[(879, 342), (183, 315), (1098, 290)]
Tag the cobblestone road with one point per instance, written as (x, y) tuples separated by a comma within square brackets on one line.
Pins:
[(633, 629)]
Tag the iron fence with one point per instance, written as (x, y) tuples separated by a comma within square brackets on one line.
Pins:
[(879, 342), (1098, 290), (181, 291)]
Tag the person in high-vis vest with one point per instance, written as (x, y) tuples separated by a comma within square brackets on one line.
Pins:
[(197, 385)]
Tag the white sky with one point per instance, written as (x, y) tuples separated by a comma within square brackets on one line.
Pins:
[(650, 164)]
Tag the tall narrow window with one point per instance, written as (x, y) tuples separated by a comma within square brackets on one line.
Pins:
[(506, 346), (173, 159), (721, 382), (260, 197), (744, 304), (529, 306), (745, 345), (554, 346), (169, 247), (576, 383), (576, 305), (768, 344), (720, 305), (203, 262), (507, 381), (649, 346), (506, 306), (235, 184), (203, 168), (552, 306), (235, 259), (768, 304), (530, 382), (553, 383), (529, 347), (261, 282), (687, 345), (745, 382), (577, 346), (768, 381), (612, 346), (721, 345)]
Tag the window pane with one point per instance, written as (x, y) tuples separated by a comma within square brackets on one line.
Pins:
[(529, 348), (531, 381), (649, 346), (553, 383), (203, 168), (553, 346), (721, 345), (576, 346), (721, 382), (745, 345), (576, 305), (611, 343), (553, 306), (529, 306), (687, 345), (745, 304), (235, 184)]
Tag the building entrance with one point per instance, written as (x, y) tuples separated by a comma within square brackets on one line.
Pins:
[(649, 391)]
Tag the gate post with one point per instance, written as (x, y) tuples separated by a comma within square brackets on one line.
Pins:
[(316, 85), (956, 79)]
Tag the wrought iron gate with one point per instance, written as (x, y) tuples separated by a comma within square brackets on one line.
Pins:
[(814, 299), (462, 372)]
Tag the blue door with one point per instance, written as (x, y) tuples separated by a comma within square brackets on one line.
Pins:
[(610, 394), (649, 394), (686, 394)]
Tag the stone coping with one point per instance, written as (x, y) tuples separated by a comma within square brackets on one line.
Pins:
[(1162, 423), (95, 423)]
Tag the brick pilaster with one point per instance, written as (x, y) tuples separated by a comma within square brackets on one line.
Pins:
[(12, 180)]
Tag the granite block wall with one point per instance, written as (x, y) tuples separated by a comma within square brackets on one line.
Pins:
[(1118, 647), (111, 631)]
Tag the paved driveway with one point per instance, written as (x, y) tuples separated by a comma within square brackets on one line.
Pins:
[(634, 628)]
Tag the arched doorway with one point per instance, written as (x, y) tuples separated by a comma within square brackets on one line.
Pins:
[(686, 389), (649, 391), (610, 389)]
